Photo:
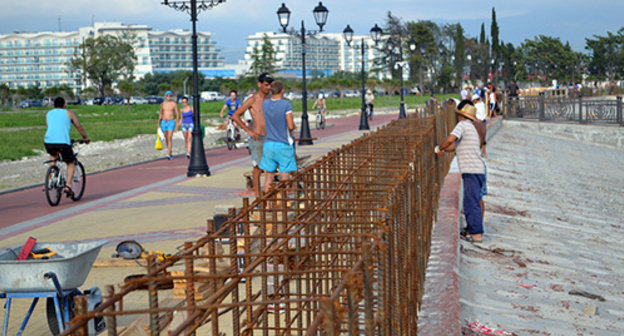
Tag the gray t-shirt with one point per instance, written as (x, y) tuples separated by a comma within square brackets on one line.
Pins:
[(467, 148), (275, 112)]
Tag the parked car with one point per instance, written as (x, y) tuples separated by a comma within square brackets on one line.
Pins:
[(137, 100), (31, 103), (351, 93), (75, 101), (211, 96), (154, 99), (98, 100)]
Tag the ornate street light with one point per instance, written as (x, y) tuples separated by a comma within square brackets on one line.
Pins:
[(197, 164), (320, 13), (348, 36)]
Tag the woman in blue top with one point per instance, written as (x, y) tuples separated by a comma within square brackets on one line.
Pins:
[(187, 124)]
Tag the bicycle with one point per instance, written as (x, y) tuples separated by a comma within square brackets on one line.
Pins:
[(320, 119), (56, 178), (232, 134), (369, 111)]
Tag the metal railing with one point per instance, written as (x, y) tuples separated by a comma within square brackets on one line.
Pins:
[(340, 248), (564, 109)]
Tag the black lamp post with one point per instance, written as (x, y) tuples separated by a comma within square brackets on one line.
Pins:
[(348, 36), (469, 62), (376, 33), (197, 164), (320, 16)]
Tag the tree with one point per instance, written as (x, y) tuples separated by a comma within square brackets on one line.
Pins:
[(607, 55), (104, 60), (544, 58), (494, 34), (126, 89), (263, 59), (482, 36), (5, 94), (424, 36), (460, 51)]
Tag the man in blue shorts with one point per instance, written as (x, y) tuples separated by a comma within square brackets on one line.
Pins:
[(169, 120), (56, 139), (278, 149)]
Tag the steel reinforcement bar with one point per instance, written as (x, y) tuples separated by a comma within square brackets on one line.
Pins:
[(340, 248)]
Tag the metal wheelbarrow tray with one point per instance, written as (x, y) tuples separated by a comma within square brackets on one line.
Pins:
[(71, 269)]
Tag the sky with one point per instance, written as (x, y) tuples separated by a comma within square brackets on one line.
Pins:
[(231, 22)]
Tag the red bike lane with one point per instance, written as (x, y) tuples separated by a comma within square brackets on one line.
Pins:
[(30, 203)]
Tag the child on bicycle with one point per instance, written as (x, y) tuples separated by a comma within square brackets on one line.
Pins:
[(232, 104), (57, 141)]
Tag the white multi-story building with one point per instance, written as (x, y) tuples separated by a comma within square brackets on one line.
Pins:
[(326, 53), (40, 59)]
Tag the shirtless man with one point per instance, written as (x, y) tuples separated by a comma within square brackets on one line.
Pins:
[(169, 120), (257, 134)]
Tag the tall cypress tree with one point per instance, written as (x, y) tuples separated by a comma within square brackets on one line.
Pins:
[(494, 34), (482, 36), (459, 54)]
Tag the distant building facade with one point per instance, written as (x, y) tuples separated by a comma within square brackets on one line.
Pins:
[(40, 58), (326, 54)]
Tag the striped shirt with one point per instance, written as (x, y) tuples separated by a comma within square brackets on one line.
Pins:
[(467, 148)]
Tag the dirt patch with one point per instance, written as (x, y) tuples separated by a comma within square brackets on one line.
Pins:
[(505, 210)]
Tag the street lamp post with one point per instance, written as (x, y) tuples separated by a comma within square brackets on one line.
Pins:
[(197, 164), (320, 16), (376, 33), (348, 36)]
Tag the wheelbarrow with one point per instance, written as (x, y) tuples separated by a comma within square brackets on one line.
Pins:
[(56, 279)]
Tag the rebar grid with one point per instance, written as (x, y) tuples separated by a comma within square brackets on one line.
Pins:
[(340, 248)]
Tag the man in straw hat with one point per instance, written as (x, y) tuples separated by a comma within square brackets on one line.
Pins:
[(466, 141)]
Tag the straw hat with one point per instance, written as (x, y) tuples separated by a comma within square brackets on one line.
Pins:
[(468, 111)]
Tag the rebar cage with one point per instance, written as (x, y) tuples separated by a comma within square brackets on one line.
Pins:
[(340, 248)]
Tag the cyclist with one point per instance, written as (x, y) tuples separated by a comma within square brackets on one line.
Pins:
[(56, 139), (231, 104), (320, 101)]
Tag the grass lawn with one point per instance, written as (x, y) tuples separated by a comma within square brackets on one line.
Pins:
[(22, 131)]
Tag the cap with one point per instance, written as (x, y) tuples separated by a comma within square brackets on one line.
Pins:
[(168, 93), (475, 97), (264, 77), (468, 111)]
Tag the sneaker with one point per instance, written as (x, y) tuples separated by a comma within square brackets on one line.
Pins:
[(169, 157), (188, 156)]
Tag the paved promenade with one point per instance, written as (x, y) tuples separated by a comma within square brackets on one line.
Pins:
[(161, 208)]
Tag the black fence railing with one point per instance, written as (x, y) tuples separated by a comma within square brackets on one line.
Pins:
[(564, 109)]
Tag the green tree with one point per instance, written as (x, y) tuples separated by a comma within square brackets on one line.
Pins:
[(126, 89), (460, 51), (607, 55), (424, 36), (264, 58), (104, 60), (5, 94), (544, 58), (495, 42)]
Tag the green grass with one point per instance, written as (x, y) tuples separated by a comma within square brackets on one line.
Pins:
[(21, 131)]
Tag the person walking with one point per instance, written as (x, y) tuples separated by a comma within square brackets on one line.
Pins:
[(369, 99), (465, 141), (56, 139), (187, 125), (279, 150), (257, 134), (169, 121)]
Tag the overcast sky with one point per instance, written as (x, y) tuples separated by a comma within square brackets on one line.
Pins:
[(232, 21)]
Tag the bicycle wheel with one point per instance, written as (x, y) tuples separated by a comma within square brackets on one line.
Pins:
[(52, 187), (323, 122), (318, 121), (79, 181), (229, 138)]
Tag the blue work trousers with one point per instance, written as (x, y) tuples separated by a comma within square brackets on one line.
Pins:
[(472, 195)]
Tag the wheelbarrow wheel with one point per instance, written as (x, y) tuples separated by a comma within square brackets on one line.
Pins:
[(51, 314)]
